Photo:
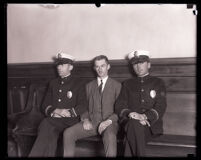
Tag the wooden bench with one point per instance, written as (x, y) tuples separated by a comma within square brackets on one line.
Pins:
[(179, 119)]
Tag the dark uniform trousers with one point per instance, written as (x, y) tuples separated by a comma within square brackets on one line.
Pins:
[(63, 93), (144, 95), (48, 134), (134, 140)]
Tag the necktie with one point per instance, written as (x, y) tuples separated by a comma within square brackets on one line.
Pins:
[(100, 86)]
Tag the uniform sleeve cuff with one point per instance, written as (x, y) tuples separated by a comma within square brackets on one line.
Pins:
[(47, 108), (49, 111), (152, 115), (124, 113)]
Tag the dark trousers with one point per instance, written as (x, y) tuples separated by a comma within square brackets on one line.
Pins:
[(48, 134), (136, 136)]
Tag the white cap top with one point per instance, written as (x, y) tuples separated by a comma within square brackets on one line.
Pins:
[(138, 53), (64, 55)]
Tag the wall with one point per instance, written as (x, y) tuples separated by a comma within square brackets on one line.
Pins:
[(36, 33)]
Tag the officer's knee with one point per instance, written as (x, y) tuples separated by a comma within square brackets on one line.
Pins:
[(133, 123), (44, 124)]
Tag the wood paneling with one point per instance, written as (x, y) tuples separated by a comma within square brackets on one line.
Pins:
[(178, 73), (180, 116)]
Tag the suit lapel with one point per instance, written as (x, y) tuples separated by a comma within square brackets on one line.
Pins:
[(107, 87)]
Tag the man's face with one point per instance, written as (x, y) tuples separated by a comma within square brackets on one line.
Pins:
[(141, 68), (64, 69), (101, 67)]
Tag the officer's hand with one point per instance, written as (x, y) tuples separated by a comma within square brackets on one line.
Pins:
[(61, 113), (87, 125), (135, 115), (103, 125), (143, 122), (65, 113)]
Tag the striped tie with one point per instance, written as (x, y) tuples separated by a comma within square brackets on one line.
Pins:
[(100, 86)]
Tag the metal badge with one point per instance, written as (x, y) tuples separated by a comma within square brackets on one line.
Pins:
[(69, 94), (152, 93), (59, 55)]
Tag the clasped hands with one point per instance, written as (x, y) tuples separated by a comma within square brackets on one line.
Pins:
[(141, 117), (61, 113), (87, 125)]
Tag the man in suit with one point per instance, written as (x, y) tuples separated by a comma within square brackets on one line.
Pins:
[(64, 102), (141, 105), (100, 118)]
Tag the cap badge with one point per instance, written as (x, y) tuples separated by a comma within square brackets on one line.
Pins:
[(59, 55), (69, 94), (135, 54), (152, 93)]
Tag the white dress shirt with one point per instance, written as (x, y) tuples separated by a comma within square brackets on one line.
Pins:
[(104, 82)]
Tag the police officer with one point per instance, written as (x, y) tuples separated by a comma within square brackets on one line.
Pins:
[(64, 102), (141, 105)]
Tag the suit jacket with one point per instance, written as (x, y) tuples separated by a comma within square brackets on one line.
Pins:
[(105, 105)]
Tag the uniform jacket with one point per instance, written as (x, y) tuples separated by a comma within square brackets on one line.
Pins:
[(106, 110), (68, 93), (143, 95)]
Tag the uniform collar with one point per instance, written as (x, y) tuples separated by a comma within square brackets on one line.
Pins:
[(65, 78), (145, 77)]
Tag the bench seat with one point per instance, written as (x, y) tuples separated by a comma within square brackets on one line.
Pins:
[(162, 146)]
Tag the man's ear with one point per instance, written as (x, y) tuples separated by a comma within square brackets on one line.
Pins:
[(70, 67), (108, 66), (149, 65)]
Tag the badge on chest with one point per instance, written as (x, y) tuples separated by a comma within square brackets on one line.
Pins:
[(152, 94), (69, 94)]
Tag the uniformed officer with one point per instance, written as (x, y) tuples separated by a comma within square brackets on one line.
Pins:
[(64, 102), (141, 105)]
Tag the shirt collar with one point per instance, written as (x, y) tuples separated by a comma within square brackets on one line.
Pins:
[(104, 80)]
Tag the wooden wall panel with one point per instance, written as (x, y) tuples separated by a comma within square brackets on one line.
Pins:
[(178, 74), (180, 116)]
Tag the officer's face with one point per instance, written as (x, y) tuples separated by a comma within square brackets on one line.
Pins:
[(64, 69), (101, 67), (141, 68)]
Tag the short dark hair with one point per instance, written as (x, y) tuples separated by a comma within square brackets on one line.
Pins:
[(97, 58)]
